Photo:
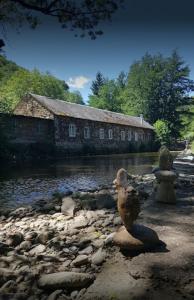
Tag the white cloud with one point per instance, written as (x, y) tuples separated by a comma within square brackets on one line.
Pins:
[(78, 82)]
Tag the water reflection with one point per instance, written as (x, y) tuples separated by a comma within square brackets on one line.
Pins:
[(27, 184)]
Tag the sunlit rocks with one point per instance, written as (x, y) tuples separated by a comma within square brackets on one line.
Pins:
[(66, 280)]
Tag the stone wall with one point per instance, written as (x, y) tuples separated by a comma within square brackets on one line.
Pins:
[(26, 138), (26, 130), (29, 107), (93, 144)]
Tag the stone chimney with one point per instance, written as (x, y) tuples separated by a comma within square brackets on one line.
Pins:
[(141, 119)]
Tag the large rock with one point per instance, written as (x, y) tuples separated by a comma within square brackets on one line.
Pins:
[(4, 248), (15, 239), (65, 280), (80, 222), (97, 200), (80, 260), (37, 250), (140, 238), (44, 236), (68, 206), (98, 257)]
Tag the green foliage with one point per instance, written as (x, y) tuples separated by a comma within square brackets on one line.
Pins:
[(162, 132), (97, 83), (74, 97), (23, 81), (15, 82), (155, 86), (187, 118), (107, 98), (192, 147), (7, 68)]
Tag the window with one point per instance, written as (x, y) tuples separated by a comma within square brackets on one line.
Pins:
[(122, 135), (110, 135), (136, 136), (101, 133), (72, 130), (129, 135), (86, 132)]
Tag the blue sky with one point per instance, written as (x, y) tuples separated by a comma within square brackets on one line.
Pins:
[(143, 26)]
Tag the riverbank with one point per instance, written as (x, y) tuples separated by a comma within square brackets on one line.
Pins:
[(73, 234), (27, 184)]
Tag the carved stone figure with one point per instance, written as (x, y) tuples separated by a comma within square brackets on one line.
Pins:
[(131, 236), (128, 201), (165, 159), (165, 177)]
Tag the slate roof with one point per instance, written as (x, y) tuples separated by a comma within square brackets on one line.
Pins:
[(63, 108)]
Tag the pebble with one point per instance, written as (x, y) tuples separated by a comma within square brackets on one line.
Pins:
[(37, 250), (98, 257), (80, 260)]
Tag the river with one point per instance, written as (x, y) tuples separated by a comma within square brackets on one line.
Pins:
[(25, 184)]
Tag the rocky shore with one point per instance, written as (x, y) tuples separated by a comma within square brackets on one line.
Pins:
[(60, 249)]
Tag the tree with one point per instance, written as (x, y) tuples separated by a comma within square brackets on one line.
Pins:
[(121, 80), (157, 87), (162, 132), (97, 83), (7, 68), (187, 119), (74, 97), (24, 81), (83, 15), (107, 98)]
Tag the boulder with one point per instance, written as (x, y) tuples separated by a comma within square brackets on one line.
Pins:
[(65, 280), (140, 238), (98, 257), (68, 206), (25, 245), (4, 248), (55, 295), (97, 200), (80, 222), (15, 239), (44, 236), (80, 260), (37, 250)]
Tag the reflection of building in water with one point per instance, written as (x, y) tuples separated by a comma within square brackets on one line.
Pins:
[(71, 128)]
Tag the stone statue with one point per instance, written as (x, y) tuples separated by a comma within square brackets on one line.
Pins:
[(131, 237), (165, 159), (128, 201), (165, 177)]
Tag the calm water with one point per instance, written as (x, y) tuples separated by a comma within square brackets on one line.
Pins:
[(27, 184)]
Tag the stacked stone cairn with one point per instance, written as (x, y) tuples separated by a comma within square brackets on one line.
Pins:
[(131, 236), (166, 177)]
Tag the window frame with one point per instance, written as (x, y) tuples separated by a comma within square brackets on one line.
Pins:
[(72, 130), (110, 134), (129, 135), (101, 133), (86, 130), (123, 135), (136, 136)]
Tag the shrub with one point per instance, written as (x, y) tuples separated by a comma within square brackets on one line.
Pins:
[(162, 132)]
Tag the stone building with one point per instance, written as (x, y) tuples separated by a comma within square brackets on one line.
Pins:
[(76, 129)]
